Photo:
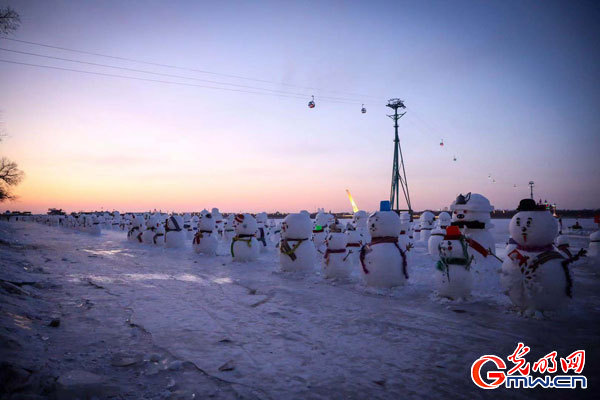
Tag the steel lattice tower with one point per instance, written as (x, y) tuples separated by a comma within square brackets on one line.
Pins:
[(398, 171)]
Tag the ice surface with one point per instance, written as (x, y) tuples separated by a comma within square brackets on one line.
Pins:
[(248, 330)]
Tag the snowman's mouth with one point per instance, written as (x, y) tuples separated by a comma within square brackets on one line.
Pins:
[(449, 248), (524, 237)]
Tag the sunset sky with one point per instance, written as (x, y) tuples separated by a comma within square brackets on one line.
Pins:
[(511, 87)]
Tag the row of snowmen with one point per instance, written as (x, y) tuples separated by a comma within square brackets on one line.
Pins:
[(535, 273)]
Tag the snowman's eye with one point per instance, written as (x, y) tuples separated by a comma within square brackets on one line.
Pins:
[(518, 221), (529, 222), (464, 212)]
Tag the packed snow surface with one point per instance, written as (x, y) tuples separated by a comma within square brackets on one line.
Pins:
[(144, 322)]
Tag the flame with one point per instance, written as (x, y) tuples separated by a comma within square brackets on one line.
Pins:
[(354, 207)]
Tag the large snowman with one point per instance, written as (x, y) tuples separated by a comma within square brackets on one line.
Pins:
[(296, 251), (471, 213), (535, 275), (383, 262)]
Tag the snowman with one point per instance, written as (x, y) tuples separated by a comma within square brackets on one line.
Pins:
[(205, 240), (116, 221), (244, 246), (383, 261), (471, 213), (193, 228), (426, 222), (536, 277), (453, 270), (436, 237), (336, 262), (360, 220), (296, 250), (229, 228), (155, 231), (136, 231), (219, 222), (96, 226), (354, 242), (262, 234), (322, 220), (404, 239), (174, 233)]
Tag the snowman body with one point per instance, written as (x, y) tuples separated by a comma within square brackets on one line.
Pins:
[(175, 235), (535, 276), (336, 263), (205, 240), (297, 252), (244, 246), (453, 275), (383, 262)]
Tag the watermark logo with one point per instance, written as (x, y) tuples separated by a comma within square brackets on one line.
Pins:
[(546, 371)]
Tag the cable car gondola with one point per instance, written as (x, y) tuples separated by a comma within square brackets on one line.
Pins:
[(454, 158), (311, 104), (442, 143), (363, 109)]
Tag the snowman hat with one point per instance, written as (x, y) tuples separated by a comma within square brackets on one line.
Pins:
[(530, 205), (239, 218), (452, 233)]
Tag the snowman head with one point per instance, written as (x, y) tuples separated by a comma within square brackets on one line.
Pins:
[(261, 218), (384, 223), (444, 219), (360, 218), (246, 224), (175, 222), (471, 207), (296, 226), (426, 219), (451, 246), (532, 225), (206, 222)]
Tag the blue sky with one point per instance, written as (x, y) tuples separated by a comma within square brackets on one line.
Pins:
[(512, 88)]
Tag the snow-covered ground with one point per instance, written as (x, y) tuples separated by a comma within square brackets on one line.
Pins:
[(141, 322)]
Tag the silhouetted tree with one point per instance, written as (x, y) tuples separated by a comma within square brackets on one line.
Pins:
[(9, 20), (10, 176)]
